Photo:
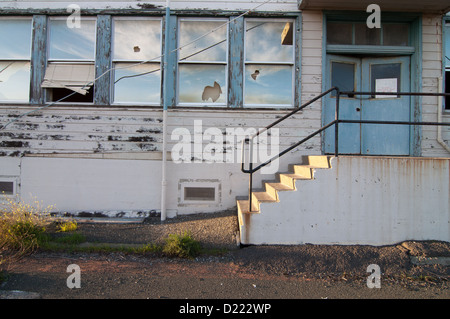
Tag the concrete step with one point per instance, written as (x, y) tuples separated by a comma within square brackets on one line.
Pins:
[(272, 188), (317, 161), (288, 179), (243, 207), (261, 197)]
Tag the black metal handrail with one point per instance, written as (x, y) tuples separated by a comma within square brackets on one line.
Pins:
[(251, 170), (335, 122)]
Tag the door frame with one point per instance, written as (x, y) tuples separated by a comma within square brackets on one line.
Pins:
[(357, 139), (414, 51)]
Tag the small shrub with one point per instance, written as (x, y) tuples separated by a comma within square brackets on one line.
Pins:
[(67, 226), (22, 229), (183, 246)]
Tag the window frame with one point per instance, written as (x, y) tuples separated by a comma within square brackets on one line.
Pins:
[(446, 62), (232, 96), (155, 60), (30, 20), (90, 61), (292, 64), (225, 63)]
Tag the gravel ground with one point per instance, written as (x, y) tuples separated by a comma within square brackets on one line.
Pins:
[(220, 230), (300, 271)]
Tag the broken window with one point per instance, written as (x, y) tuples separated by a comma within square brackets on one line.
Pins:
[(15, 54), (137, 60), (202, 62), (269, 63), (70, 71)]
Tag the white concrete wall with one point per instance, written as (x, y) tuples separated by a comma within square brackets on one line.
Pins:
[(360, 200), (92, 185), (120, 187)]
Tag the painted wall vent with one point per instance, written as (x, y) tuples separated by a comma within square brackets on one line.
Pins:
[(6, 187), (199, 192)]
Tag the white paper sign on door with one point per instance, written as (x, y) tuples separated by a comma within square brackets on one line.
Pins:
[(385, 85)]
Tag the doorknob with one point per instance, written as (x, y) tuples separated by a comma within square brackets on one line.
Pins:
[(358, 109)]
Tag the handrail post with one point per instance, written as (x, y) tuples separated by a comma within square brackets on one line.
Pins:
[(250, 182), (336, 125)]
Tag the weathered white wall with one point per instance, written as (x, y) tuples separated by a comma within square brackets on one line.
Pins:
[(360, 200), (109, 159), (431, 72), (91, 185), (311, 62), (274, 5)]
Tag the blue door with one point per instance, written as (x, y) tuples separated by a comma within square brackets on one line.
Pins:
[(374, 74)]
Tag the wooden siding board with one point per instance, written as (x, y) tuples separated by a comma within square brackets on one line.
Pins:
[(38, 58), (103, 60), (432, 70), (276, 5), (298, 61), (170, 70), (236, 63)]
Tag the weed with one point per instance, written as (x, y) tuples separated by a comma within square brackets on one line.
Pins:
[(184, 246), (68, 226), (72, 239), (22, 228)]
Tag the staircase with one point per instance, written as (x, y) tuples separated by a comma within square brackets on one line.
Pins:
[(286, 182)]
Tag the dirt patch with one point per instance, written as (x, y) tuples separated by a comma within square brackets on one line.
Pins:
[(218, 230)]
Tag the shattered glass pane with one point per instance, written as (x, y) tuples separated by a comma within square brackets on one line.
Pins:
[(212, 47), (137, 40), (268, 84), (263, 42), (72, 43), (201, 83), (15, 39), (137, 83), (14, 81)]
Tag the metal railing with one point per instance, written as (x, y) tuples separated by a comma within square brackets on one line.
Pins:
[(335, 122)]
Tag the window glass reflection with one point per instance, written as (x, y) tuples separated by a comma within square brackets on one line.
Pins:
[(138, 40), (263, 42), (15, 39), (268, 84), (71, 43), (14, 80), (199, 83), (212, 47), (137, 83)]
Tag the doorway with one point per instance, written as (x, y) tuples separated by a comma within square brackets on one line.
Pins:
[(369, 74)]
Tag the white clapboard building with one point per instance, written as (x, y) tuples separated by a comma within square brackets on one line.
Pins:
[(134, 108)]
